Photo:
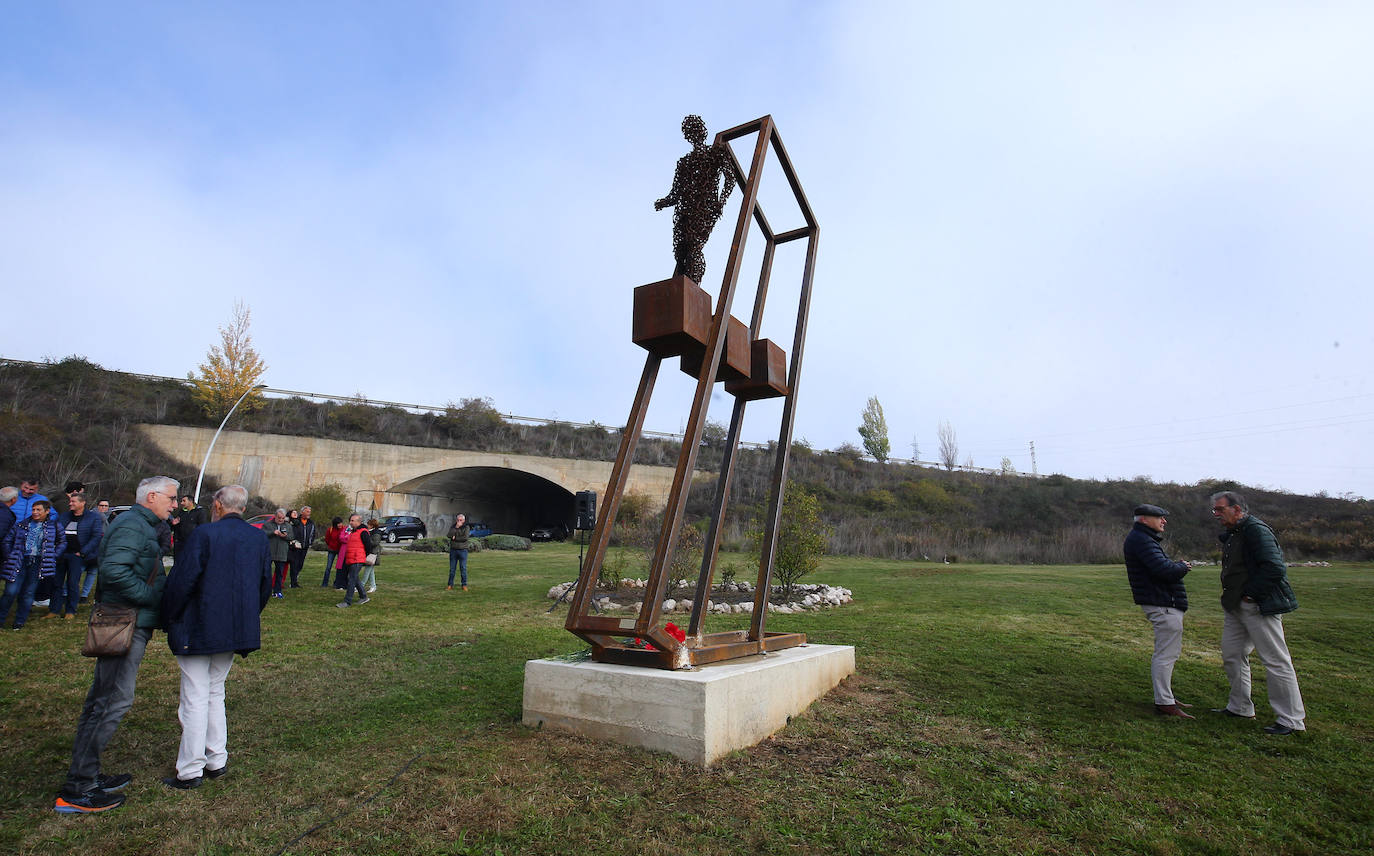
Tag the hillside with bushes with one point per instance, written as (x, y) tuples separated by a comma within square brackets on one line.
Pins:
[(73, 419)]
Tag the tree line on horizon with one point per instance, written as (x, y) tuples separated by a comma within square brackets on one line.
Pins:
[(73, 419)]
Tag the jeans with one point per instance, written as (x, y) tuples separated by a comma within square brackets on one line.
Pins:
[(457, 559), (278, 575), (21, 587), (354, 570), (204, 727), (110, 697), (367, 577), (90, 575), (69, 568), (329, 566)]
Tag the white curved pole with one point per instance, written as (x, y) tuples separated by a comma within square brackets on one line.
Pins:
[(200, 478)]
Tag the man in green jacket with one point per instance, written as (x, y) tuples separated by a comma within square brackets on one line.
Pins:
[(1255, 594), (131, 574)]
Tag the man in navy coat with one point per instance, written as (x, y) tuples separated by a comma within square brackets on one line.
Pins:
[(214, 594)]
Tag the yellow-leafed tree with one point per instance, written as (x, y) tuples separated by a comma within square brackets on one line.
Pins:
[(231, 368)]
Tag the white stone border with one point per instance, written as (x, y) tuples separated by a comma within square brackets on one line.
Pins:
[(814, 596)]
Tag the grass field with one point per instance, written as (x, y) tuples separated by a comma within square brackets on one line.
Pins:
[(996, 709)]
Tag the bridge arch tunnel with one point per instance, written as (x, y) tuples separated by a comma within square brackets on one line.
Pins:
[(510, 501)]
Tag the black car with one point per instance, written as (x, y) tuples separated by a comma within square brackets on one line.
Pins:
[(400, 526), (554, 532)]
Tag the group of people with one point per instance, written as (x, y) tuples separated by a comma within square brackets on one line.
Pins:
[(209, 604), (224, 573), (47, 558), (1255, 594)]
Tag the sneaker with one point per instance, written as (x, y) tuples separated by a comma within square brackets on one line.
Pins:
[(371, 590), (87, 803), (110, 784), (215, 774), (181, 784), (364, 599), (41, 603), (343, 604)]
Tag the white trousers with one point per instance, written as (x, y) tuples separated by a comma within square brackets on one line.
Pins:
[(1247, 630), (1168, 625), (204, 729)]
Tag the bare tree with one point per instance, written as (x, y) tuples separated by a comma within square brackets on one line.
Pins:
[(949, 445)]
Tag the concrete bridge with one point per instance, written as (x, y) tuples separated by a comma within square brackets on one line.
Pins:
[(510, 493)]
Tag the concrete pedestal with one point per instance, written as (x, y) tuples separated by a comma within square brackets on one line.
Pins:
[(697, 715)]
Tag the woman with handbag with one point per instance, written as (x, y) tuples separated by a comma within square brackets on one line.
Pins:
[(31, 550), (374, 557), (354, 546)]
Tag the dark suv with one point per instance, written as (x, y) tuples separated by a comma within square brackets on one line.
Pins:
[(400, 526)]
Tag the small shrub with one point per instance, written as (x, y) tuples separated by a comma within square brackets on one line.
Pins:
[(504, 542), (428, 545), (613, 571)]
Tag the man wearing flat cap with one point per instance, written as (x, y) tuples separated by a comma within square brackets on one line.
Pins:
[(1157, 586)]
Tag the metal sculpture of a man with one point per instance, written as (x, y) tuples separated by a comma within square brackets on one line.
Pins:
[(698, 197)]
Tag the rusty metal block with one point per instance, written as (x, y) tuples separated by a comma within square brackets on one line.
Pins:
[(734, 363), (767, 376), (672, 317)]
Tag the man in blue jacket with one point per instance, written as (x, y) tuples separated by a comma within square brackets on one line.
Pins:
[(1157, 586), (220, 583)]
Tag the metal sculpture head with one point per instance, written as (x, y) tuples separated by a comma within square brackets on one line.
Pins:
[(698, 197)]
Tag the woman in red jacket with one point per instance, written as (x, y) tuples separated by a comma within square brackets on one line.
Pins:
[(331, 543)]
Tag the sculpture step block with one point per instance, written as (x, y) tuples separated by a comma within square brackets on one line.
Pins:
[(671, 317), (767, 375), (699, 715), (734, 363)]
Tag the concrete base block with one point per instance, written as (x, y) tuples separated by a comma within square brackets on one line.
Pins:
[(697, 715)]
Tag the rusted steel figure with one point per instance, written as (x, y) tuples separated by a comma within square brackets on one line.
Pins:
[(696, 197)]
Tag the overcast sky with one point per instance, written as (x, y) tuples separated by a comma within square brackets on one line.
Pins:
[(1139, 235)]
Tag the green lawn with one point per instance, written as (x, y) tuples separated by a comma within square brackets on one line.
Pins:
[(996, 709)]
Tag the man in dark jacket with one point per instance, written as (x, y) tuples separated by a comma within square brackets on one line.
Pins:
[(130, 575), (303, 535), (211, 606), (1157, 586), (1255, 594), (185, 521)]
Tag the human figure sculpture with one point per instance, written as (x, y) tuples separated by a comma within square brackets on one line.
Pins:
[(697, 197)]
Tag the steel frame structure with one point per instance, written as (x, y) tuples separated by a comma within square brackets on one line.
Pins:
[(613, 639)]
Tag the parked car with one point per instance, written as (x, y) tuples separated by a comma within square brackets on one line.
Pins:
[(478, 529), (116, 511), (260, 520), (552, 532), (400, 526)]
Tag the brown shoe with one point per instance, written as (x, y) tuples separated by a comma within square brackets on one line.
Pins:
[(1173, 710), (465, 588), (68, 617), (51, 615), (450, 588)]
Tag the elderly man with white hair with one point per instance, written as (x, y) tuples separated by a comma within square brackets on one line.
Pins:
[(211, 606), (130, 574)]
